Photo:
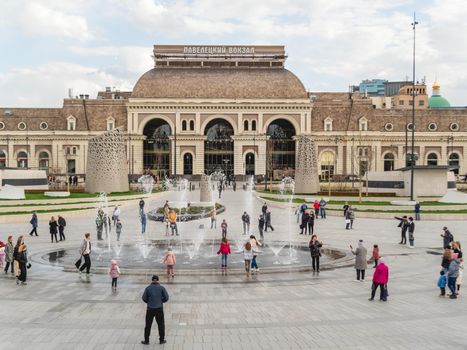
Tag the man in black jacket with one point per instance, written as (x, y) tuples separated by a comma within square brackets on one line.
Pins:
[(403, 224), (155, 296), (61, 227)]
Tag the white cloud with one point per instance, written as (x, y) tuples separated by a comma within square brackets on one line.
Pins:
[(46, 85), (49, 18)]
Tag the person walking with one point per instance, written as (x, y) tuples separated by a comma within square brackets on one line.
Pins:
[(315, 252), (375, 255), (155, 295), (268, 222), (114, 273), (142, 219), (345, 208), (118, 229), (85, 251), (141, 205), (116, 215), (360, 260), (21, 259), (247, 257), (234, 185), (34, 223), (348, 218), (411, 229), (311, 223), (304, 224), (224, 251), (301, 209), (322, 208), (224, 228), (173, 222), (61, 227), (403, 224), (99, 224), (255, 247), (380, 279), (417, 211), (169, 261), (316, 207), (219, 188), (448, 238), (213, 215), (453, 273), (261, 226), (264, 209), (53, 228), (9, 251), (246, 223)]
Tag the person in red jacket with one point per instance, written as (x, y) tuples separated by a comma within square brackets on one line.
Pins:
[(316, 207), (375, 255), (380, 279), (224, 250)]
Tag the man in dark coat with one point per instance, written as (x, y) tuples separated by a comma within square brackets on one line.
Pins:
[(155, 296)]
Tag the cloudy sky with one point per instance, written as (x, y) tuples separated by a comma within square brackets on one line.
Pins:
[(49, 46)]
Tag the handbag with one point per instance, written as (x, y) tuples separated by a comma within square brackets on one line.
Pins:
[(78, 262), (385, 293)]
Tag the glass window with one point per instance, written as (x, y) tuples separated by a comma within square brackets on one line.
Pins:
[(389, 162), (454, 162), (253, 125), (22, 160), (183, 125), (2, 159), (43, 160), (401, 102), (245, 125), (281, 147), (156, 154), (192, 125), (432, 159), (219, 147), (188, 164)]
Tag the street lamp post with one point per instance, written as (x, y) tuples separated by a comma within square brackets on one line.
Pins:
[(412, 160)]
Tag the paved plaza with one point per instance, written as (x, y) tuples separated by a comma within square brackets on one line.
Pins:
[(287, 310)]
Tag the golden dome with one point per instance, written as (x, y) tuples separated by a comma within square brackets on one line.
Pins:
[(436, 85)]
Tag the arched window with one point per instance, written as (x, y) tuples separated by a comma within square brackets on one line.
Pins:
[(454, 162), (432, 159), (328, 124), (281, 146), (187, 164), (22, 159), (389, 161), (327, 162), (245, 125), (110, 124), (253, 125), (192, 125), (183, 125), (71, 123), (2, 159), (43, 160), (219, 147), (363, 124), (156, 154)]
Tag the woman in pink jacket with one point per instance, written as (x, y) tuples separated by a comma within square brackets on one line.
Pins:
[(170, 260), (380, 279)]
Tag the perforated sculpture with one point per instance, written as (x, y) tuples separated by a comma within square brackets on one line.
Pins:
[(106, 167), (306, 171)]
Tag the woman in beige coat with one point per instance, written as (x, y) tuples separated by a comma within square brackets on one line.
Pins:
[(360, 260)]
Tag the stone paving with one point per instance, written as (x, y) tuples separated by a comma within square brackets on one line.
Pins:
[(291, 310)]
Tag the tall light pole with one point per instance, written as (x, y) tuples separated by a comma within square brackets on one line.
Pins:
[(412, 160)]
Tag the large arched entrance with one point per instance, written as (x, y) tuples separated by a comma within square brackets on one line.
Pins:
[(156, 153), (250, 163), (219, 147), (281, 148)]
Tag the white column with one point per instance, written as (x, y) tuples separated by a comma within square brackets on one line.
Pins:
[(198, 124), (240, 123), (340, 159), (302, 124), (260, 123), (443, 160)]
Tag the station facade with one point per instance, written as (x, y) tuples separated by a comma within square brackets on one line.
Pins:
[(231, 108)]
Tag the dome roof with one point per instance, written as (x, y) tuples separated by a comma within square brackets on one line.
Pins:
[(437, 101), (229, 83)]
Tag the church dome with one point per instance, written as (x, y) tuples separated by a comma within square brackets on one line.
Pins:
[(224, 83), (436, 100)]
